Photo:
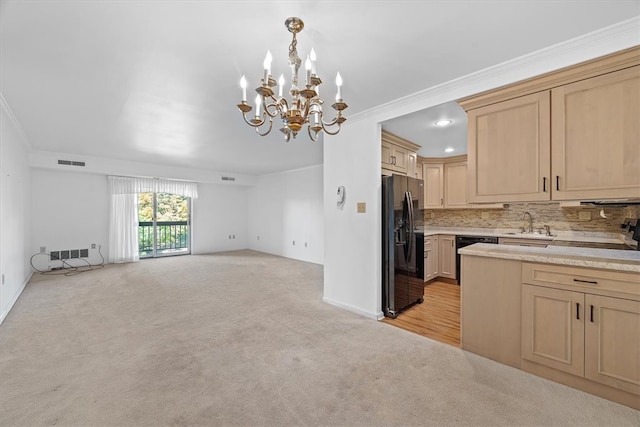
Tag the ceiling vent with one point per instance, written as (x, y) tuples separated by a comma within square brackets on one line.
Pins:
[(228, 178), (71, 163)]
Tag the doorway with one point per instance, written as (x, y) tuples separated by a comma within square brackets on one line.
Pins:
[(164, 225)]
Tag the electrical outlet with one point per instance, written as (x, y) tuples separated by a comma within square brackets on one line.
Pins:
[(258, 237), (234, 236), (43, 249), (294, 243), (93, 246), (229, 236), (584, 215), (305, 244), (484, 215), (432, 215)]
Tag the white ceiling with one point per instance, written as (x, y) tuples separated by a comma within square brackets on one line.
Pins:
[(157, 81)]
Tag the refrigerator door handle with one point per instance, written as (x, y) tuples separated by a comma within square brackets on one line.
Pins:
[(410, 224)]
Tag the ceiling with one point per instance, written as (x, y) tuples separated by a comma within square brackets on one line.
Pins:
[(158, 81)]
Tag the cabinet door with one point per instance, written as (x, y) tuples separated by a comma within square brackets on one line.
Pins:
[(509, 150), (387, 155), (447, 255), (596, 137), (612, 342), (401, 159), (412, 164), (435, 257), (553, 328), (455, 185), (432, 174)]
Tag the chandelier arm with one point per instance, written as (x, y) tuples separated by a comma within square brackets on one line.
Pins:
[(314, 139), (326, 129), (273, 105), (252, 123), (268, 130)]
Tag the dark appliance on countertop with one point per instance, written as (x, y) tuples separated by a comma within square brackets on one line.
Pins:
[(462, 241), (402, 197)]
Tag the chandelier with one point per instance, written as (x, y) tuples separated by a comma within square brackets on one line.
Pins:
[(304, 106)]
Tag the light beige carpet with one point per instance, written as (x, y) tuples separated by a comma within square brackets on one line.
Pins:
[(243, 339)]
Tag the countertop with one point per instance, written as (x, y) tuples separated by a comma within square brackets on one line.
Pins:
[(556, 236), (609, 259)]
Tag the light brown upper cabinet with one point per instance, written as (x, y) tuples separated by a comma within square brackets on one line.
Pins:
[(508, 157), (595, 134), (455, 185), (399, 156), (433, 176), (572, 134)]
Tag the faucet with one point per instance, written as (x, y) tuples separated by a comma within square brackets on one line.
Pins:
[(524, 215)]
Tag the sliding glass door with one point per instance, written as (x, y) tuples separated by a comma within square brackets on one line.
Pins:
[(163, 224)]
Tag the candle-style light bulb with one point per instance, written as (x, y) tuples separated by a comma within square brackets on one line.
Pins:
[(312, 56), (280, 85), (267, 67), (258, 105), (243, 85), (307, 66), (339, 84)]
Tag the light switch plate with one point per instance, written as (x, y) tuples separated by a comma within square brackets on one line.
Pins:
[(362, 207)]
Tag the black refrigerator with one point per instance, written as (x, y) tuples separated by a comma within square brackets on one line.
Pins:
[(402, 201)]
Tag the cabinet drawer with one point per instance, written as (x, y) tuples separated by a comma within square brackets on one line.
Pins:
[(580, 278)]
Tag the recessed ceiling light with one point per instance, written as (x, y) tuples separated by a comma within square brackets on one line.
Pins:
[(445, 122), (448, 150)]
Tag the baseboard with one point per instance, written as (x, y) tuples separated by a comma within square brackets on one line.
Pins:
[(374, 316), (5, 313)]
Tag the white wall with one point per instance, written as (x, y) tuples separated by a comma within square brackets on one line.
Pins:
[(70, 211), (219, 212), (352, 268), (15, 212), (285, 208)]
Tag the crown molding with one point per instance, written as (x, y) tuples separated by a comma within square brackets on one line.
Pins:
[(14, 121), (605, 41)]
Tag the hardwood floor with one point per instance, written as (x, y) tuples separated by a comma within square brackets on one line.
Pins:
[(438, 317)]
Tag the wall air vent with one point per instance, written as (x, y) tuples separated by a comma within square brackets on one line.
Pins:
[(71, 163), (228, 178)]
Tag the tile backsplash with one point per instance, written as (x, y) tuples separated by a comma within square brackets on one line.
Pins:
[(565, 219)]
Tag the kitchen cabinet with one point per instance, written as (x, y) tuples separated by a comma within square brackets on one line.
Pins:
[(508, 156), (431, 250), (455, 185), (398, 155), (567, 135), (433, 176), (490, 302), (596, 138), (447, 256), (552, 328), (571, 326)]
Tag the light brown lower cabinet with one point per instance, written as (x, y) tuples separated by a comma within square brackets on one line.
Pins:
[(430, 258), (447, 256), (592, 336), (578, 326)]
